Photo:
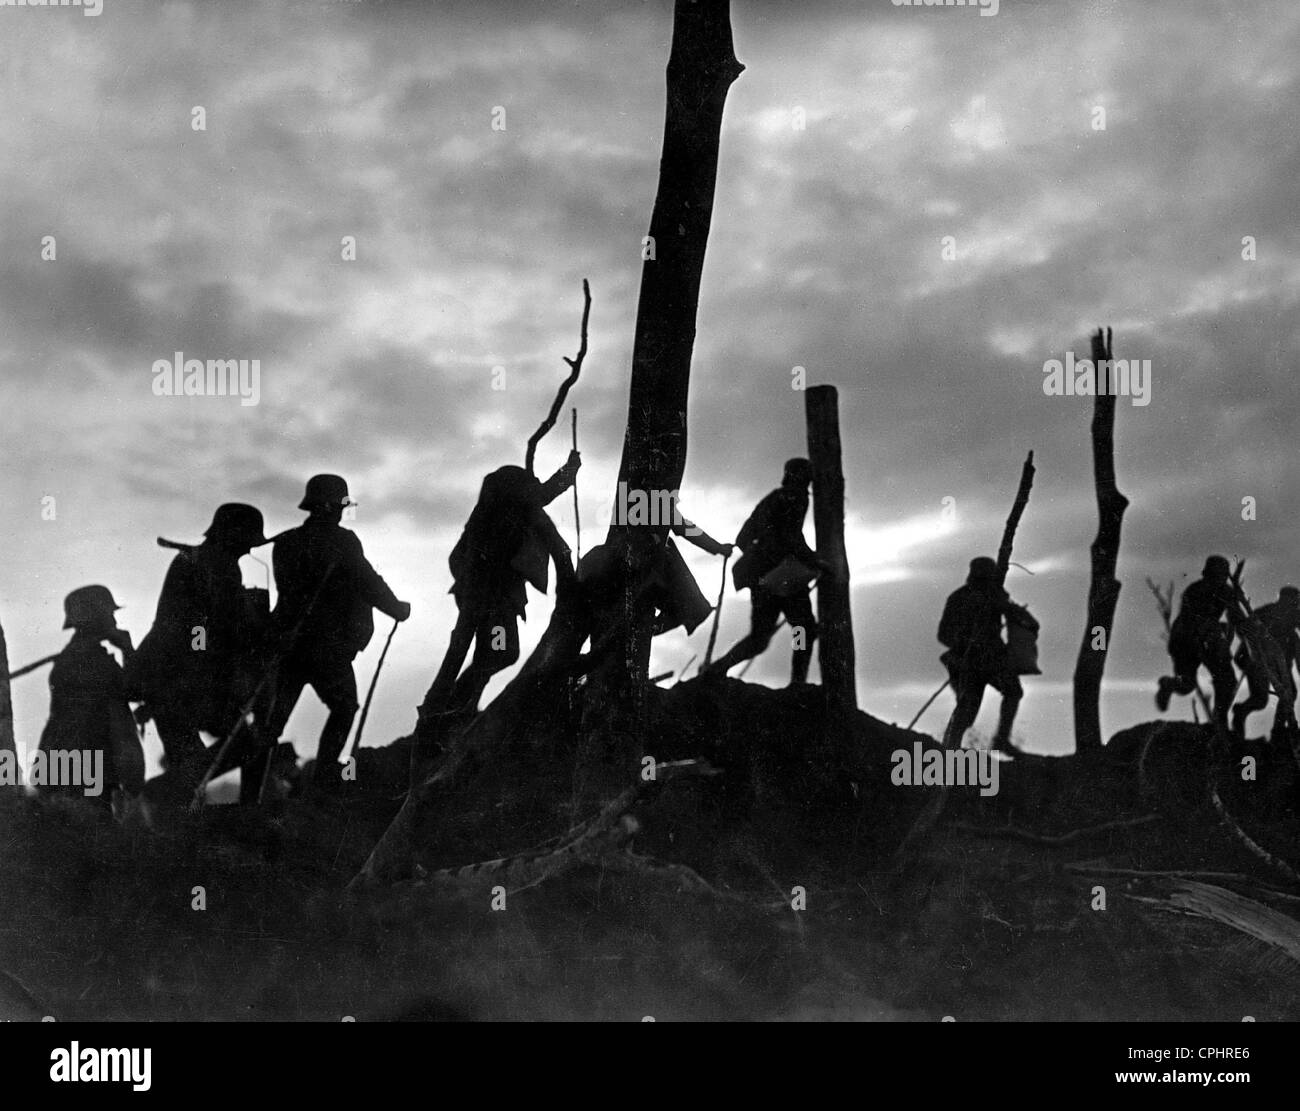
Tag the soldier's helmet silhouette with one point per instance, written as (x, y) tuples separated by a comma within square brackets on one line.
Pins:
[(237, 523), (1216, 567), (325, 491), (982, 569), (88, 605), (1290, 595), (798, 472)]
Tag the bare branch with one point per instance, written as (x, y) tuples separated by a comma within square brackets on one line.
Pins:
[(575, 368)]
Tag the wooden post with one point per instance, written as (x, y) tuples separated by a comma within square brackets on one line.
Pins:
[(834, 618), (6, 703), (1103, 587)]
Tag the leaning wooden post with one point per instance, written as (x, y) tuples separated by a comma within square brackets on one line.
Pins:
[(6, 705), (835, 650), (1103, 587)]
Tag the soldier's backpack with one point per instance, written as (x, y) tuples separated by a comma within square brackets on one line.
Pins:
[(1022, 642)]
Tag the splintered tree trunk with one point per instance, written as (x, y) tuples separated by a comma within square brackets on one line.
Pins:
[(1103, 587), (6, 702), (701, 67), (835, 650)]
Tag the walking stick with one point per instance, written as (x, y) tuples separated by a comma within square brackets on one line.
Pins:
[(577, 520), (927, 703), (370, 694), (717, 616)]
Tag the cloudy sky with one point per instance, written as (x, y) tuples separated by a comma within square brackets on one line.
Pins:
[(374, 120)]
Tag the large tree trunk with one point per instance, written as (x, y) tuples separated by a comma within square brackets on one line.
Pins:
[(701, 67), (1103, 587), (835, 649)]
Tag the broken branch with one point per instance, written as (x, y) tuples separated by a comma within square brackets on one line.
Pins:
[(575, 368)]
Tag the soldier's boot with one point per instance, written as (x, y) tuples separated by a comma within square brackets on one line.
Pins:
[(1006, 719), (1239, 716), (1164, 691), (328, 776), (252, 776), (799, 663), (963, 714)]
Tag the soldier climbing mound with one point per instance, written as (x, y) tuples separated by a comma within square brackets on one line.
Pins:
[(507, 543), (204, 655), (323, 618), (971, 631), (1199, 637), (1266, 660), (777, 567)]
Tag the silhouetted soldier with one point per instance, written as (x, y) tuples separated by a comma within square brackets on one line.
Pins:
[(507, 543), (204, 656), (971, 631), (323, 617), (1266, 660), (89, 712), (1199, 637), (777, 567)]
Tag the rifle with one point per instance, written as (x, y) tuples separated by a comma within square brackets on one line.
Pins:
[(33, 666)]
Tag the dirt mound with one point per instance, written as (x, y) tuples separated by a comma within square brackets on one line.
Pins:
[(807, 911)]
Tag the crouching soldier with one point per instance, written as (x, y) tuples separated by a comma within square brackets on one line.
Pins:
[(971, 631), (205, 655), (323, 618), (90, 720), (1199, 637), (665, 581), (1266, 655), (777, 568), (507, 543)]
